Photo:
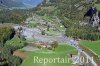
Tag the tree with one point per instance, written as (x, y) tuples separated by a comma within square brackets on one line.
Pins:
[(48, 27), (54, 45), (14, 61), (10, 60), (43, 32)]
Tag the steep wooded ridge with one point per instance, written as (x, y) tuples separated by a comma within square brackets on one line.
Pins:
[(67, 8), (71, 13)]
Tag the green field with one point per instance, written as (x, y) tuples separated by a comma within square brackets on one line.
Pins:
[(93, 45), (97, 6), (32, 24), (63, 51)]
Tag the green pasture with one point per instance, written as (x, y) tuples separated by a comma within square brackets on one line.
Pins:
[(63, 51)]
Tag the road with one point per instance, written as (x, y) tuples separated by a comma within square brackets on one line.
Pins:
[(74, 43)]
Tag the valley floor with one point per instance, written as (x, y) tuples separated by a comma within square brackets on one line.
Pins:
[(33, 32)]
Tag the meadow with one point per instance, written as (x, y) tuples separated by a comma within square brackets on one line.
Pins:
[(97, 6), (94, 46), (62, 51)]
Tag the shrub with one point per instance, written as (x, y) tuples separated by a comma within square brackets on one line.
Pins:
[(54, 45), (39, 47), (49, 48), (43, 32)]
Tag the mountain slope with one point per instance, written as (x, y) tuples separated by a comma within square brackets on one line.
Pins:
[(11, 3)]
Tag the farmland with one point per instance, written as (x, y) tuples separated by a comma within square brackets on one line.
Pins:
[(44, 53), (93, 45)]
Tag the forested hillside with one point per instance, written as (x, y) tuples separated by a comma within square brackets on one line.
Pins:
[(13, 16), (5, 33), (71, 14)]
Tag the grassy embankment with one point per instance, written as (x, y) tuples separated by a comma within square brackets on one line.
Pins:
[(92, 48)]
